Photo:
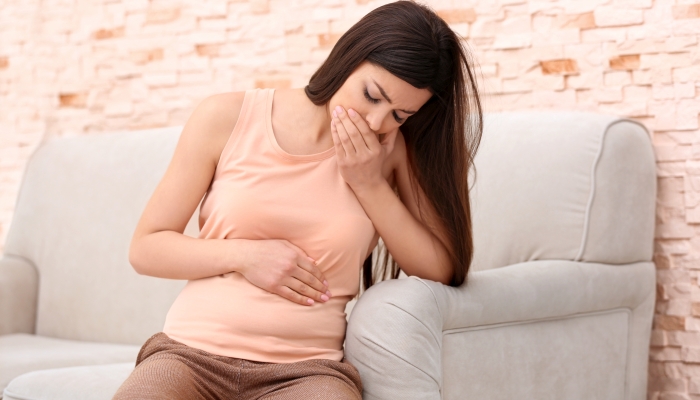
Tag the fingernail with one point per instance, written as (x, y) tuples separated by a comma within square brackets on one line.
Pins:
[(310, 301), (328, 292), (334, 114), (325, 283), (351, 112), (324, 297), (339, 109)]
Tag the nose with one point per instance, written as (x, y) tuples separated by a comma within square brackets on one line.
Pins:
[(374, 121)]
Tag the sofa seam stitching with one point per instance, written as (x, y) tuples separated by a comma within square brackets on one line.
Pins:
[(442, 331), (6, 393), (626, 310), (401, 358), (591, 196)]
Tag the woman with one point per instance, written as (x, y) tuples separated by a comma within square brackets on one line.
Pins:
[(298, 187)]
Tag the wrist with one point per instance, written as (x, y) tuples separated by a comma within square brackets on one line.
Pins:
[(370, 189), (235, 255)]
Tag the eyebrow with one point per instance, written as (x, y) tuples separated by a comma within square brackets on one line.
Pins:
[(387, 97)]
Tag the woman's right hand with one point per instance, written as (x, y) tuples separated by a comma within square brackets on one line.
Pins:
[(282, 268)]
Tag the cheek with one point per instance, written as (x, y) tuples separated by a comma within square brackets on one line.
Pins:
[(343, 99)]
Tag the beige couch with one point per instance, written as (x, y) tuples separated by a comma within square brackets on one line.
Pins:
[(558, 305)]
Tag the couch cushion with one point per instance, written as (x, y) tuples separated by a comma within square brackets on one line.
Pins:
[(562, 185), (77, 208), (22, 353), (92, 382)]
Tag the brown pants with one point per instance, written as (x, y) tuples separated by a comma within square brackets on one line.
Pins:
[(168, 369)]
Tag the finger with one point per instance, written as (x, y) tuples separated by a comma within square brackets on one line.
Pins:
[(368, 135), (343, 135), (294, 297), (304, 289), (306, 262), (309, 286), (339, 149), (311, 274), (358, 141)]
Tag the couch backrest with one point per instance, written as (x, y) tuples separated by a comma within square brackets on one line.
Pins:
[(78, 205), (566, 185), (550, 185)]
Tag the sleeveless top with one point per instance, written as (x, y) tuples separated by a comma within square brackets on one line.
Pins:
[(259, 191)]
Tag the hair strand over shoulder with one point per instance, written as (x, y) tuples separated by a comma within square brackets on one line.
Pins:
[(413, 43)]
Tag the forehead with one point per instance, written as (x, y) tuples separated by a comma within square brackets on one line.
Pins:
[(403, 95)]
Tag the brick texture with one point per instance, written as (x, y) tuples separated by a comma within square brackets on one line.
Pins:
[(74, 68)]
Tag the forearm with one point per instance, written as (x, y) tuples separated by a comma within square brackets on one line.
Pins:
[(173, 255), (417, 251)]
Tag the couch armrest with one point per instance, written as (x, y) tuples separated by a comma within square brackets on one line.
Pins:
[(395, 331), (18, 295), (394, 337)]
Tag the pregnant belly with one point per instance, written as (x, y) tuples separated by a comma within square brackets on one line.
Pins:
[(229, 316)]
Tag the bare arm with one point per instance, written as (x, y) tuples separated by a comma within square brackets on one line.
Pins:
[(415, 240), (159, 247), (411, 239)]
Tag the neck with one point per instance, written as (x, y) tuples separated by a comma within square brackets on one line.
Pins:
[(312, 119)]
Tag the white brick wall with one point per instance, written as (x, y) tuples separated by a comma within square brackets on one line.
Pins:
[(71, 68)]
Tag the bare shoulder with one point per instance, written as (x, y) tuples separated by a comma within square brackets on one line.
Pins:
[(193, 164)]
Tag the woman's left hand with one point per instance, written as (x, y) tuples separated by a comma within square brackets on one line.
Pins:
[(359, 152)]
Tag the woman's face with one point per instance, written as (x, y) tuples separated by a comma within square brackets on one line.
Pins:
[(382, 99)]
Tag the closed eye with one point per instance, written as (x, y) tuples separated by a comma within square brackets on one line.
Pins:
[(375, 101)]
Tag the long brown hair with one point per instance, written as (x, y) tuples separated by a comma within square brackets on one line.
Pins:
[(413, 43)]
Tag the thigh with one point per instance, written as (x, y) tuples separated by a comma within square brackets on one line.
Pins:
[(307, 380), (167, 369), (318, 387), (160, 378)]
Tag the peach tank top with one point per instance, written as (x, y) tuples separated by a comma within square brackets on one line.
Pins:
[(259, 191)]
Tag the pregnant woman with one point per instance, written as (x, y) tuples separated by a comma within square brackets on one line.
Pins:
[(296, 187)]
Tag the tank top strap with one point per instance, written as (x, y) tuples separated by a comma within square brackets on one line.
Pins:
[(251, 125)]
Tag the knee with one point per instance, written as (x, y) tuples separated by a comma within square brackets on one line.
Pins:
[(335, 388)]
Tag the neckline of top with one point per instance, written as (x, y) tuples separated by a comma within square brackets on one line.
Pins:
[(271, 135)]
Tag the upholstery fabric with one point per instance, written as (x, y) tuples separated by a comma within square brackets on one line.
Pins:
[(578, 357), (78, 205), (562, 185), (563, 223), (18, 294), (558, 303), (21, 353), (94, 382), (424, 320)]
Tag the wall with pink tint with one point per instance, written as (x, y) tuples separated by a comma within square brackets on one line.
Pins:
[(82, 67)]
